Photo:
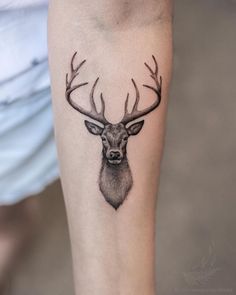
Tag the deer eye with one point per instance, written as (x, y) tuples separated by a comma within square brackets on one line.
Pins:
[(125, 138), (104, 139)]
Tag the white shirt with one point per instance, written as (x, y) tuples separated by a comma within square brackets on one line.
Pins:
[(23, 48)]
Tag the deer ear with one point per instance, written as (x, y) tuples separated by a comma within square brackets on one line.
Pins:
[(93, 128), (135, 128)]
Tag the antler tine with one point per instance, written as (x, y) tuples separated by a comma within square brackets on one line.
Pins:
[(154, 76), (156, 65), (126, 104), (69, 89), (93, 106), (99, 116), (102, 104), (72, 61), (135, 107), (135, 113), (155, 72), (74, 72)]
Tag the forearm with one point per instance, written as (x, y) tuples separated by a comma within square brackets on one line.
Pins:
[(112, 237)]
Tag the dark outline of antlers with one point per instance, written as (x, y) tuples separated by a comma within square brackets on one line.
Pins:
[(100, 116), (93, 114), (135, 113)]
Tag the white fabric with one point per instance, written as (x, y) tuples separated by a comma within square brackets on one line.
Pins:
[(23, 48), (28, 160), (15, 4), (27, 149)]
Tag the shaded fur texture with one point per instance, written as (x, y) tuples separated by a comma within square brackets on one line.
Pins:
[(115, 178), (115, 182)]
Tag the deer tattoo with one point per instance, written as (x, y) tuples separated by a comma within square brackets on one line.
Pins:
[(115, 178)]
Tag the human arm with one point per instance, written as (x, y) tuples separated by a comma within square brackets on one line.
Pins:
[(113, 250)]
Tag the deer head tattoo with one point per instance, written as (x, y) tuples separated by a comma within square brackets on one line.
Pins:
[(115, 178)]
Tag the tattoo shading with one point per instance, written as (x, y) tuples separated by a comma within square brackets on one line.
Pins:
[(115, 178)]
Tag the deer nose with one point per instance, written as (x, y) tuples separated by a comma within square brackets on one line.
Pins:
[(115, 155)]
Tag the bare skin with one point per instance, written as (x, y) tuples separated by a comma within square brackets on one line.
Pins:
[(113, 250)]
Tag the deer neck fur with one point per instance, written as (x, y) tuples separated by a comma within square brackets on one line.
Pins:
[(115, 181)]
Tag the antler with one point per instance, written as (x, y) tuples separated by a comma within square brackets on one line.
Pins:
[(93, 114), (135, 113)]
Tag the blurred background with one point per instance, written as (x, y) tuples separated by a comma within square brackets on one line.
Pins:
[(196, 239)]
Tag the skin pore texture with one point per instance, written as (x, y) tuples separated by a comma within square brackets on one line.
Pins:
[(122, 15), (113, 250)]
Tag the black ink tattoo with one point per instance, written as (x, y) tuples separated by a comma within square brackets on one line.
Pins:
[(115, 178)]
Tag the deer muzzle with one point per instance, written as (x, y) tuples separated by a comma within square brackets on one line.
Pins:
[(114, 157)]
